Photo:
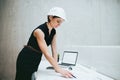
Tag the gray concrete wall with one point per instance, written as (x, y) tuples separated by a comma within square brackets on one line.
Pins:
[(90, 22)]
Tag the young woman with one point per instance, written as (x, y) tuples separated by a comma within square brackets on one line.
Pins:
[(41, 37)]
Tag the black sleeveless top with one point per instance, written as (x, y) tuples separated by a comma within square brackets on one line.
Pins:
[(48, 37)]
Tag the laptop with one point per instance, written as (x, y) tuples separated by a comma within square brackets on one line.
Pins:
[(69, 58)]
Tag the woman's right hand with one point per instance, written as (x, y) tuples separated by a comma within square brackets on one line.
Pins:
[(65, 73)]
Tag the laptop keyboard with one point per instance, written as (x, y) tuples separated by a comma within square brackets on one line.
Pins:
[(65, 64)]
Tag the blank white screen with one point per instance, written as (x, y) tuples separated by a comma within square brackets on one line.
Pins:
[(69, 58)]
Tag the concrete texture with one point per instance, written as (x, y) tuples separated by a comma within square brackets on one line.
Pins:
[(90, 22)]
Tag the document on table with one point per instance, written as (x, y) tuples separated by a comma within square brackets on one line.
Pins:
[(52, 75), (79, 71)]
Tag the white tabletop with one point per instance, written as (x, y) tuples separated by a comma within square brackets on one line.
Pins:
[(81, 73)]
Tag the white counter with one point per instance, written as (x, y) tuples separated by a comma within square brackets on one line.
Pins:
[(81, 73)]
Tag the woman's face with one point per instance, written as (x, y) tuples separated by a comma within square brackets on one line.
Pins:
[(55, 22)]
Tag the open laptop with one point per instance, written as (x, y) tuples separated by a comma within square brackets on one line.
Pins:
[(69, 58)]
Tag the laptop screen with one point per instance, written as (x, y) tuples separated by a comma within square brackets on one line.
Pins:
[(69, 57)]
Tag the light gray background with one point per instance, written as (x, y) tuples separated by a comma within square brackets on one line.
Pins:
[(93, 29)]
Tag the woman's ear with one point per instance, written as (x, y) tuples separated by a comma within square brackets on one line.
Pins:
[(50, 17)]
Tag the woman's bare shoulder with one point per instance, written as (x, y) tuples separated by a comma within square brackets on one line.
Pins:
[(38, 32)]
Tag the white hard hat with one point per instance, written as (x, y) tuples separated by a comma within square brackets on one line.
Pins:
[(57, 11)]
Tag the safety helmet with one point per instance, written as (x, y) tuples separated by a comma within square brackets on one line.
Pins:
[(57, 11)]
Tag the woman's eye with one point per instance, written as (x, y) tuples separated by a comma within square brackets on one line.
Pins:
[(58, 21)]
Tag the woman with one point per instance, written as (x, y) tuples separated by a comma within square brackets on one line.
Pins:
[(41, 37)]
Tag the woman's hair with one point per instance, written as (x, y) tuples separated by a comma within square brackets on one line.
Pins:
[(52, 16)]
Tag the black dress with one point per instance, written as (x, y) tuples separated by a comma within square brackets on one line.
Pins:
[(30, 56)]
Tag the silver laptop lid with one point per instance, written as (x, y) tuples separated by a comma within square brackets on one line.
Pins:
[(69, 57)]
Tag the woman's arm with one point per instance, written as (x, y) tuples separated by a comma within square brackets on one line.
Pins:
[(43, 46), (54, 48)]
